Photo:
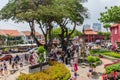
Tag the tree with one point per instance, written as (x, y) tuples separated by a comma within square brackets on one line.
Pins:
[(41, 52), (57, 31), (75, 17), (107, 26), (20, 11), (105, 34), (112, 15), (44, 13)]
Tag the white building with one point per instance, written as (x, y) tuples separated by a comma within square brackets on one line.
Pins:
[(26, 36)]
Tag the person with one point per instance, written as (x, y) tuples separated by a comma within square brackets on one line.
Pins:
[(13, 65), (75, 75), (115, 74), (1, 69), (89, 74), (66, 60), (72, 78), (71, 64), (104, 77), (21, 64), (31, 59), (75, 67), (75, 70), (16, 62), (5, 67), (90, 70), (18, 58), (10, 61), (25, 55)]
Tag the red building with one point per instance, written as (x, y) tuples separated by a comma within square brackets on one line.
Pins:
[(92, 36), (115, 34)]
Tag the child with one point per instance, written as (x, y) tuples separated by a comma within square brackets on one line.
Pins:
[(21, 64), (72, 78)]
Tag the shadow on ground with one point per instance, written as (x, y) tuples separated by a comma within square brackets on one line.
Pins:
[(97, 75)]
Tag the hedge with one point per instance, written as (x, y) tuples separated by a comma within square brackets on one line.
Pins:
[(57, 71), (112, 54), (94, 60), (105, 52), (112, 68), (98, 51)]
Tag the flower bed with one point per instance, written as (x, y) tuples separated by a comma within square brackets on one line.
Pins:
[(98, 51), (57, 71), (105, 52), (112, 54), (112, 68)]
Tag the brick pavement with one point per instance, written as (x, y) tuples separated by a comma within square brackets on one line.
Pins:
[(82, 72)]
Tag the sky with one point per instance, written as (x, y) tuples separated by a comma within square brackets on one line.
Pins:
[(95, 7)]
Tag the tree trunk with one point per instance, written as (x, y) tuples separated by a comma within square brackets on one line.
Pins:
[(63, 43), (83, 52), (46, 44), (50, 36), (45, 33), (31, 24), (40, 66), (36, 40)]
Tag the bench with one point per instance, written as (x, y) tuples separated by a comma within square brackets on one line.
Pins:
[(36, 68), (12, 71), (37, 65)]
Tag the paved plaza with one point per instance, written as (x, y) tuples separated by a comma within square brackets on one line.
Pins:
[(82, 72)]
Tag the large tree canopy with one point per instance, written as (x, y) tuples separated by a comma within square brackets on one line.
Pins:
[(44, 13), (105, 34), (112, 15)]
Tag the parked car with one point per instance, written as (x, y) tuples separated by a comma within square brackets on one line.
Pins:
[(6, 57)]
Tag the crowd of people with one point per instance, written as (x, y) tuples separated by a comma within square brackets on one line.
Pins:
[(14, 63), (68, 56)]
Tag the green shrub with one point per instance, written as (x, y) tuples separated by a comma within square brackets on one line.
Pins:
[(94, 60), (98, 62), (94, 65), (57, 71), (112, 54), (105, 52), (91, 59), (98, 51), (41, 49), (97, 59), (94, 51), (112, 68)]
